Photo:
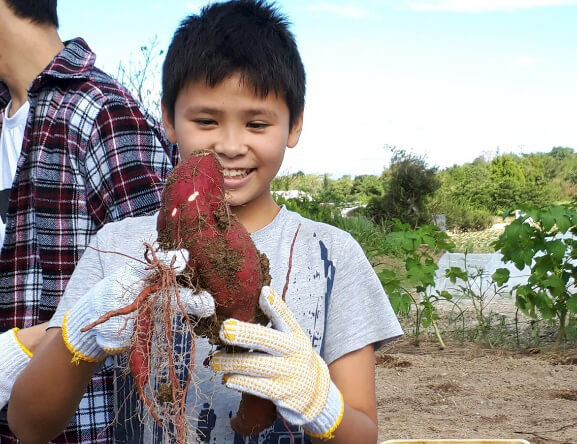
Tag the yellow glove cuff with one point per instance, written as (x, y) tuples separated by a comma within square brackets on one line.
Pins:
[(76, 355), (22, 346), (332, 414)]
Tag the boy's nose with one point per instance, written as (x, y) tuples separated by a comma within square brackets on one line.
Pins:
[(230, 147)]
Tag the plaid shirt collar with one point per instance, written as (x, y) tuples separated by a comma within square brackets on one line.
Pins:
[(75, 61)]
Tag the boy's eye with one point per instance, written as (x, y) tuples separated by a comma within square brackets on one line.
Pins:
[(257, 125), (205, 122)]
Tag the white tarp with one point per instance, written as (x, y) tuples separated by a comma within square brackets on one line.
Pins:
[(481, 265)]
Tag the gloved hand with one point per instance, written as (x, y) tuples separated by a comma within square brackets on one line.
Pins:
[(112, 293), (289, 372), (15, 357)]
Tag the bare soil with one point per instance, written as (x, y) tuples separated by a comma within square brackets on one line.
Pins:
[(467, 391)]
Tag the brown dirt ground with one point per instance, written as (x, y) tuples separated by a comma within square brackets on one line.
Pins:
[(467, 391)]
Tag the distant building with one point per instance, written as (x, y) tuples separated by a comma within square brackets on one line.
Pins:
[(293, 194), (351, 211)]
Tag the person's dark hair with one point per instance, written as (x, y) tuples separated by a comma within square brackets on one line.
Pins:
[(42, 12), (249, 37)]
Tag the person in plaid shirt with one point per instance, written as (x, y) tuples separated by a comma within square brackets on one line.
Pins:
[(86, 154)]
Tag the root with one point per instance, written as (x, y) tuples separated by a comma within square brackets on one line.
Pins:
[(159, 314)]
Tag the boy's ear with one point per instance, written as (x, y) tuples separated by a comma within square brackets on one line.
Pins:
[(295, 132), (168, 126)]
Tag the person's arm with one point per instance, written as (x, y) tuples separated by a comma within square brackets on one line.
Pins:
[(359, 423), (31, 337), (48, 391), (16, 349)]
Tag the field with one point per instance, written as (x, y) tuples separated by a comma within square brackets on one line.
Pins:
[(473, 392), (477, 241), (468, 390)]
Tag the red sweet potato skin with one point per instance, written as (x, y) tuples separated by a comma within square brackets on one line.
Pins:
[(223, 259), (195, 216)]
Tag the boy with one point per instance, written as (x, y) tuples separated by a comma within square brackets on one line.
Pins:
[(76, 151), (233, 83)]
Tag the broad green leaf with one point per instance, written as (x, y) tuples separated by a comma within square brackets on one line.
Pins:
[(548, 221), (446, 295), (454, 273), (555, 285), (572, 304), (401, 303), (563, 223), (521, 302), (501, 276)]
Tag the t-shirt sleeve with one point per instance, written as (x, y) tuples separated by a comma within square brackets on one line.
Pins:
[(359, 312)]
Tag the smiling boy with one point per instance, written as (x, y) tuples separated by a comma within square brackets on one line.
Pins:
[(234, 83), (248, 132)]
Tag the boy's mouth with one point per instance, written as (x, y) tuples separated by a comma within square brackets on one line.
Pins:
[(236, 173)]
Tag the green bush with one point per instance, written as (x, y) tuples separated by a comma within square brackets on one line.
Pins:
[(465, 217), (369, 235), (409, 185)]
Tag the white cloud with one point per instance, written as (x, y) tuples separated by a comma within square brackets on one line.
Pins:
[(474, 6), (343, 10), (526, 60)]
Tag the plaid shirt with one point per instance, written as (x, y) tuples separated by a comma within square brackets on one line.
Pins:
[(90, 155)]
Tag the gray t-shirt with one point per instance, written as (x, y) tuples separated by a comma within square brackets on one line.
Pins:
[(333, 292)]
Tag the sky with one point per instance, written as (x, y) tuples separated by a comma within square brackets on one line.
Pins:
[(449, 80)]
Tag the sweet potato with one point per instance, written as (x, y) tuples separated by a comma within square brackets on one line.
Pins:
[(223, 259)]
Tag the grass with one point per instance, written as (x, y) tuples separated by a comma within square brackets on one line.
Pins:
[(476, 241)]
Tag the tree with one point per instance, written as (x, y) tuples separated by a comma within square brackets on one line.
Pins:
[(336, 191), (410, 183), (142, 76), (366, 187)]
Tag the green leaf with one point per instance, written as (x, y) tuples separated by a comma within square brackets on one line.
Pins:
[(388, 277), (555, 285), (401, 302), (446, 295), (557, 249), (501, 276), (563, 224), (521, 258), (572, 304), (548, 221), (545, 305), (521, 302), (454, 273)]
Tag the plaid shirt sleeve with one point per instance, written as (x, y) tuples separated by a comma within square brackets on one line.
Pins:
[(125, 164)]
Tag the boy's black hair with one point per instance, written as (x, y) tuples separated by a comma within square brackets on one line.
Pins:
[(249, 37), (42, 12)]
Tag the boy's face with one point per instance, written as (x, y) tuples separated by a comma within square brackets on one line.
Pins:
[(249, 134)]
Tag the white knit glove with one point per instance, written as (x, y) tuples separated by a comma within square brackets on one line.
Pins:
[(111, 293), (15, 357), (289, 372)]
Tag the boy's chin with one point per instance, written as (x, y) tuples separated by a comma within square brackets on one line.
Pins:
[(232, 201)]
